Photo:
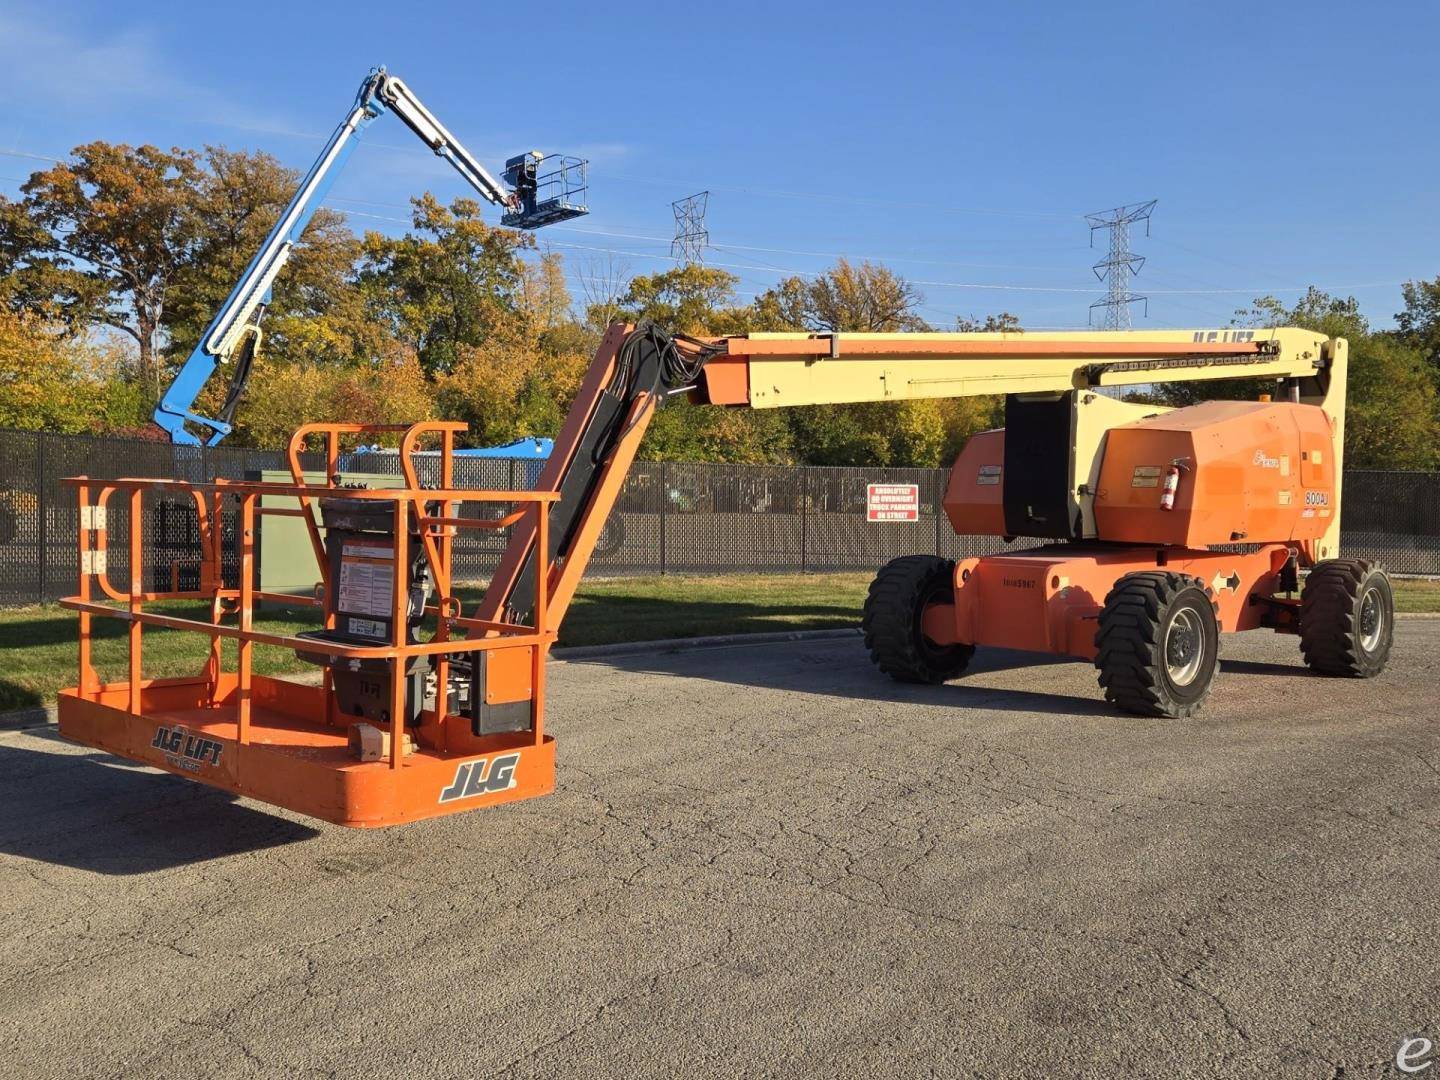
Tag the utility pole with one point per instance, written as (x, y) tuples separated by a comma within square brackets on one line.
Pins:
[(1120, 265), (691, 236)]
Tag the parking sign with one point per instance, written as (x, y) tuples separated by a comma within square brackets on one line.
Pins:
[(892, 502)]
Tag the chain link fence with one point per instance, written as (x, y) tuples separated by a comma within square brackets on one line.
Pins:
[(672, 517)]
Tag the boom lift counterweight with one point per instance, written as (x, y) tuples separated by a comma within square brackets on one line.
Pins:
[(1161, 528)]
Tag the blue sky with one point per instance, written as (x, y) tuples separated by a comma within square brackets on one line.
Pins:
[(960, 143)]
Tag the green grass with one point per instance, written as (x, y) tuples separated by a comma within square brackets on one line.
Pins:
[(1417, 596), (38, 643)]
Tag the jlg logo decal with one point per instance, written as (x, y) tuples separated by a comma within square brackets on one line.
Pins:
[(184, 750), (474, 778)]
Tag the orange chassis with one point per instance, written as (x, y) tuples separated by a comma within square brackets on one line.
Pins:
[(1048, 599), (287, 743)]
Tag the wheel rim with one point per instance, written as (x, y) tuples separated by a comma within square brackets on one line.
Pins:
[(1184, 647), (1372, 620)]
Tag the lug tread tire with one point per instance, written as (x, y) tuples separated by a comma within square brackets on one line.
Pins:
[(1330, 619), (1130, 648), (891, 621)]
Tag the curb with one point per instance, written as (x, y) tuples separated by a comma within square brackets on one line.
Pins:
[(716, 641), (23, 719)]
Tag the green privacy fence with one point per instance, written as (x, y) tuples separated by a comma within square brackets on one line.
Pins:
[(672, 517)]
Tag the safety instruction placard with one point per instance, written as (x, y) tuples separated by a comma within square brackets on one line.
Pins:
[(367, 580), (892, 502)]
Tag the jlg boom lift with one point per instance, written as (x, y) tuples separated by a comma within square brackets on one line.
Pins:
[(1163, 528)]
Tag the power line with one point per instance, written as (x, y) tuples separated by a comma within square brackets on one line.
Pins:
[(977, 285)]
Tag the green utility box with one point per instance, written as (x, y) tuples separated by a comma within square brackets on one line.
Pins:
[(287, 561)]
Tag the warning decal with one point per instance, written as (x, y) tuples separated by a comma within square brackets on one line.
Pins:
[(366, 588), (892, 502)]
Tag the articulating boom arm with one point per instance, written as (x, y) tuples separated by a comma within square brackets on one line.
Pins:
[(233, 337), (635, 369)]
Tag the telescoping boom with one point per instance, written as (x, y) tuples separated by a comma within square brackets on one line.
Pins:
[(530, 199)]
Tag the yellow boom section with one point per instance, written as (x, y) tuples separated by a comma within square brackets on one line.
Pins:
[(816, 369)]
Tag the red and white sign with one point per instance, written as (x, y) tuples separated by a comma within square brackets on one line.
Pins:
[(892, 502)]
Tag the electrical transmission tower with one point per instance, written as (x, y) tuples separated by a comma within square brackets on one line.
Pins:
[(1120, 265), (691, 236)]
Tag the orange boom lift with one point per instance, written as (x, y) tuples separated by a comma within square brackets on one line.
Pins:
[(1160, 529)]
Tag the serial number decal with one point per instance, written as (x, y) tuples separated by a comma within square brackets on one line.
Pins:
[(481, 777), (1317, 498), (184, 750), (1146, 476)]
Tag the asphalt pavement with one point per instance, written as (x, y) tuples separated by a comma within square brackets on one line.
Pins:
[(770, 861)]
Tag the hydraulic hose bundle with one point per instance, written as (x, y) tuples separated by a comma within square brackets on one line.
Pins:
[(650, 365)]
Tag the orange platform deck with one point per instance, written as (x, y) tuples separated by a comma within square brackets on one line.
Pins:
[(297, 763)]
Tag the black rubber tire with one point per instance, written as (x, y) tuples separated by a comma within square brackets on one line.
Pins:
[(1334, 622), (899, 595), (1134, 634)]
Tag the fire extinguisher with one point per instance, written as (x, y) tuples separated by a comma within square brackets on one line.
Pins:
[(1170, 487)]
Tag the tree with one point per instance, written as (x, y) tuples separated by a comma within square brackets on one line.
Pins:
[(867, 298), (51, 380), (315, 311), (1419, 323), (1392, 416), (1391, 401), (603, 282), (684, 432), (690, 299), (508, 390), (1004, 323), (1316, 310), (391, 390), (102, 237), (452, 282), (880, 433)]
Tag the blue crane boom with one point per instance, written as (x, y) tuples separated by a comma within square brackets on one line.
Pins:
[(529, 199)]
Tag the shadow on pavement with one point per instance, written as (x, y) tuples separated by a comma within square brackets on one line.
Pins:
[(811, 667), (1260, 667), (101, 813)]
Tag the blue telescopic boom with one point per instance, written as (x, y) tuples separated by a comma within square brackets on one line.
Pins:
[(233, 336)]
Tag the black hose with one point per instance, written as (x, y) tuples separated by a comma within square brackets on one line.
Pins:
[(674, 370)]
